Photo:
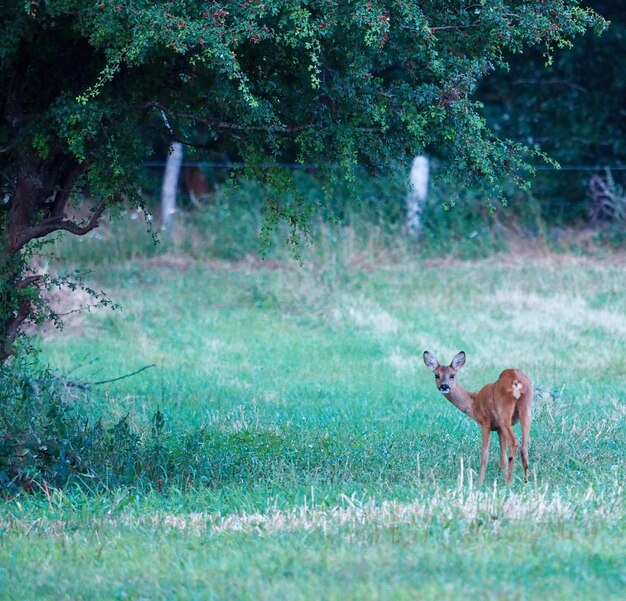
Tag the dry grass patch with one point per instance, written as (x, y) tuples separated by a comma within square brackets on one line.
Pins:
[(492, 509)]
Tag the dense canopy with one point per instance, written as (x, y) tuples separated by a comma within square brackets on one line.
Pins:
[(87, 88)]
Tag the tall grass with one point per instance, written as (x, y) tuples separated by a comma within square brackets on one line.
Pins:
[(365, 217)]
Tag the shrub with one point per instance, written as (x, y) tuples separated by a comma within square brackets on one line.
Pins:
[(46, 438)]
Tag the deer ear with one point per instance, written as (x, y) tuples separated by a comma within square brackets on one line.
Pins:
[(430, 361), (459, 360)]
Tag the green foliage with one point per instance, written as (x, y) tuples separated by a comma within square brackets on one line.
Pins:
[(44, 438), (37, 429), (90, 88), (15, 297), (570, 108), (331, 83)]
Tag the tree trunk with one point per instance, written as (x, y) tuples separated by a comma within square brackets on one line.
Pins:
[(34, 210)]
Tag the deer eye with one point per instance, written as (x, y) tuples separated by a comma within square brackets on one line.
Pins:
[(452, 376), (436, 376)]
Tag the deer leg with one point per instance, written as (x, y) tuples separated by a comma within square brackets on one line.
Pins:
[(513, 447), (503, 461), (484, 454), (525, 423)]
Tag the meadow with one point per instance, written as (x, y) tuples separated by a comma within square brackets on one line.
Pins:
[(304, 449)]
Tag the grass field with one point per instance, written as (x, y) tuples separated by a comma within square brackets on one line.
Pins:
[(328, 466)]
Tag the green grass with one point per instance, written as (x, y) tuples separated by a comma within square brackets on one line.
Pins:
[(326, 463), (444, 543)]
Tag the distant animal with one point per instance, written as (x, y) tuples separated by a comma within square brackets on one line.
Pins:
[(197, 185), (495, 407)]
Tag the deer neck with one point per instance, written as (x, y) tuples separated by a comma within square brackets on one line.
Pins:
[(462, 399)]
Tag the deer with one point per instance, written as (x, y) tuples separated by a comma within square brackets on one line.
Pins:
[(496, 407)]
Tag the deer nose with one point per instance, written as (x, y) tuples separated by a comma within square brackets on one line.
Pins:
[(444, 388)]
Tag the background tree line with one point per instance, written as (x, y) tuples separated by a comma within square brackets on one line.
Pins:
[(572, 107)]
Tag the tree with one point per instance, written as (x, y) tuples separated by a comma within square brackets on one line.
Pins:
[(573, 108), (84, 83)]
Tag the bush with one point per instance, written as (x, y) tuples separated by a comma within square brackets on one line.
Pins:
[(38, 429), (46, 439)]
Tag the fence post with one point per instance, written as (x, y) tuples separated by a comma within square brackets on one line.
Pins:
[(170, 186), (416, 196)]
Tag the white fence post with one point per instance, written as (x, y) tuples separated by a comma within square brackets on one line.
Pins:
[(170, 186), (416, 196)]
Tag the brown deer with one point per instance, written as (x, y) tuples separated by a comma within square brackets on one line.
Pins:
[(496, 407)]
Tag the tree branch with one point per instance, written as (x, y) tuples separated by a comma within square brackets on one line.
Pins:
[(449, 27), (236, 127), (63, 193), (53, 225), (28, 281), (86, 385), (445, 27), (280, 129)]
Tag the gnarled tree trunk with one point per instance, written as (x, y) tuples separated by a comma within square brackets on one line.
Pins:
[(34, 210)]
